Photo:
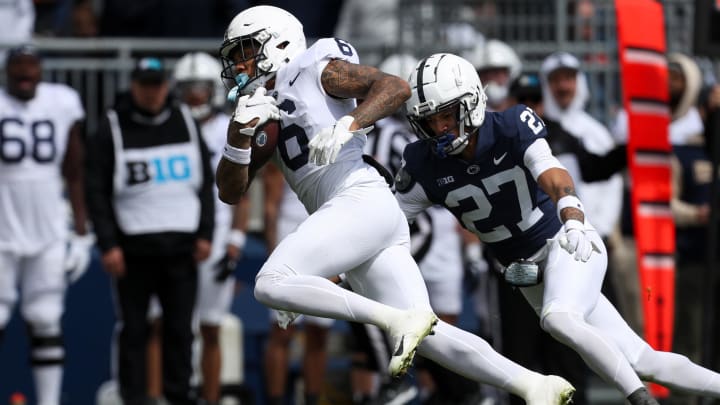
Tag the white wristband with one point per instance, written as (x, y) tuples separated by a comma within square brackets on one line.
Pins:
[(237, 155), (237, 238), (569, 201)]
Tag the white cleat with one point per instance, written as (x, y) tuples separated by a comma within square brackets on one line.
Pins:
[(551, 390), (407, 333)]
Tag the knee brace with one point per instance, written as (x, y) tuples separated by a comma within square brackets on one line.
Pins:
[(46, 350)]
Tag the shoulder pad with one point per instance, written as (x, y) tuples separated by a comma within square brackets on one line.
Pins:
[(403, 180), (334, 48)]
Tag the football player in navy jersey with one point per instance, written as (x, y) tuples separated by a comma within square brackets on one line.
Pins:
[(494, 171)]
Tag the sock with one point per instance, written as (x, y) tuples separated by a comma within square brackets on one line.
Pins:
[(318, 296), (677, 372), (48, 380), (641, 396)]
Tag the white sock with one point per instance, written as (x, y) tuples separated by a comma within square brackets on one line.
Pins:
[(318, 296), (48, 381), (471, 356), (678, 373)]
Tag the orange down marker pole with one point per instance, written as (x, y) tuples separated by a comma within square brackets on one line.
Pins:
[(641, 47)]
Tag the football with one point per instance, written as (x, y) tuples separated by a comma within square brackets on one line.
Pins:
[(264, 142)]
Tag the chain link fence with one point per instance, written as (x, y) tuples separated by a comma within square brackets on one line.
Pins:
[(100, 68)]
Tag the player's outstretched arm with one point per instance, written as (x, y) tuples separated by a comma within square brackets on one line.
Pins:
[(382, 94)]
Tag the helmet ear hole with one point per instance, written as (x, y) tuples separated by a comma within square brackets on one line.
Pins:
[(282, 45)]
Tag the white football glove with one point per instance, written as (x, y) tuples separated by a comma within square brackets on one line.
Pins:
[(259, 106), (77, 257), (576, 242), (326, 145)]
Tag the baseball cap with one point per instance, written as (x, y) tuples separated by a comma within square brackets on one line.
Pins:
[(559, 60), (149, 70), (526, 88), (23, 50)]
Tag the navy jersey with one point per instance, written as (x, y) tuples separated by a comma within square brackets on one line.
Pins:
[(494, 195)]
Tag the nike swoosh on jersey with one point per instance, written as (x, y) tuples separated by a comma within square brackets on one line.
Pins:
[(295, 78), (496, 161)]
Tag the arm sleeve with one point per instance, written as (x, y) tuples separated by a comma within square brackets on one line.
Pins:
[(413, 201), (207, 199), (684, 213), (99, 170), (538, 158), (596, 168)]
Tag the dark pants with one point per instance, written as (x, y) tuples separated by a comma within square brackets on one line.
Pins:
[(174, 281)]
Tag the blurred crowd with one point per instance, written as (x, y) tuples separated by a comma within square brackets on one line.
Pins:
[(158, 260)]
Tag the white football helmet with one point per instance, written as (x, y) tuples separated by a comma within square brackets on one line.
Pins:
[(399, 64), (275, 37), (439, 82), (200, 69), (496, 54)]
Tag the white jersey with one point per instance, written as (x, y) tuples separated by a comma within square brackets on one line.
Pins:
[(32, 149), (214, 132), (305, 110), (435, 242)]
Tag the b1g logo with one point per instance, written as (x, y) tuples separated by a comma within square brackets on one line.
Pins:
[(159, 170)]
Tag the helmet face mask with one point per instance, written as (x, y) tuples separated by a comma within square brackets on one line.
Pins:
[(498, 65), (264, 38), (439, 83), (198, 83)]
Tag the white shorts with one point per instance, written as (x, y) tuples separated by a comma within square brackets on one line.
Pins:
[(361, 232), (41, 279), (569, 285)]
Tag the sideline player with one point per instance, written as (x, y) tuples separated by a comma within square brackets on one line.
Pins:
[(40, 145)]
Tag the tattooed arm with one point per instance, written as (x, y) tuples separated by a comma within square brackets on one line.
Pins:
[(382, 94), (557, 183)]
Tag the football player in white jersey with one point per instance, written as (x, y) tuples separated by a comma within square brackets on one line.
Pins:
[(40, 146), (355, 225), (198, 84)]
